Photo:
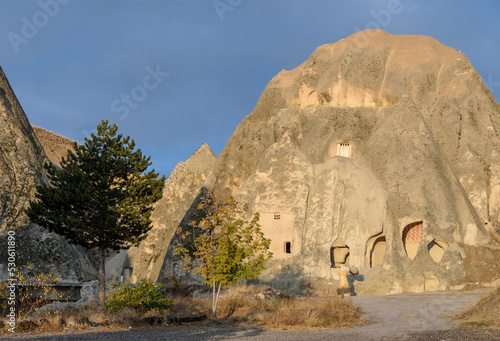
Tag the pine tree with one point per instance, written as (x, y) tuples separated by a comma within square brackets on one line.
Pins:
[(101, 198)]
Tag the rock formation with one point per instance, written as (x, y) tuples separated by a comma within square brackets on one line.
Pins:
[(179, 202), (54, 145), (21, 170), (21, 157), (379, 151)]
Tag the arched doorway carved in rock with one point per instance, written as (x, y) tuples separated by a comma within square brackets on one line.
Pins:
[(412, 235), (377, 252)]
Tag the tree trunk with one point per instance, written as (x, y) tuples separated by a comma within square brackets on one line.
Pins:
[(102, 276), (215, 300), (214, 307)]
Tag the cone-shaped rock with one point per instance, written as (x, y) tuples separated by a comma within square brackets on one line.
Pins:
[(21, 170), (380, 151)]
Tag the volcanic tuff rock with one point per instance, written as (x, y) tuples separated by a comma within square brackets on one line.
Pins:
[(54, 145), (379, 151), (21, 169), (179, 201), (21, 155)]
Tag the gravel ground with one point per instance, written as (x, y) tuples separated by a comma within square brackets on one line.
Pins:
[(256, 334), (458, 334), (399, 317)]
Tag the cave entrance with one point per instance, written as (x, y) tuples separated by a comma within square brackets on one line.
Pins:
[(126, 273), (412, 235), (378, 252), (339, 255)]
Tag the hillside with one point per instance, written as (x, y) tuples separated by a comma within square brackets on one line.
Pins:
[(54, 145)]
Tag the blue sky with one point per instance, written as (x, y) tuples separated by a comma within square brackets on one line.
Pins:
[(174, 74)]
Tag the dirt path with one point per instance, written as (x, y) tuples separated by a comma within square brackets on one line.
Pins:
[(401, 314), (388, 318)]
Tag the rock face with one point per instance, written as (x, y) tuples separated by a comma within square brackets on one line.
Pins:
[(55, 146), (379, 151), (21, 157), (178, 203), (21, 170)]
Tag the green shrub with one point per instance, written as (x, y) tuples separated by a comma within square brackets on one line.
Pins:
[(143, 298)]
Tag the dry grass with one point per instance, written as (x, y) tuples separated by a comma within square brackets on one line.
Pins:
[(243, 304), (79, 319), (238, 305), (486, 313), (330, 312), (188, 306)]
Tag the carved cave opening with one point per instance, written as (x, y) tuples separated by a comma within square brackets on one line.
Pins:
[(126, 273), (339, 255), (412, 235), (378, 252), (436, 249)]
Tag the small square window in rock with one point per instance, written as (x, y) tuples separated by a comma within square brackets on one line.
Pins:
[(344, 149), (288, 247), (277, 216)]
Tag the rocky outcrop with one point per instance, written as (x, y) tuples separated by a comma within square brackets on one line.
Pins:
[(379, 151), (21, 170), (54, 145), (21, 159), (48, 253), (178, 203), (281, 183)]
